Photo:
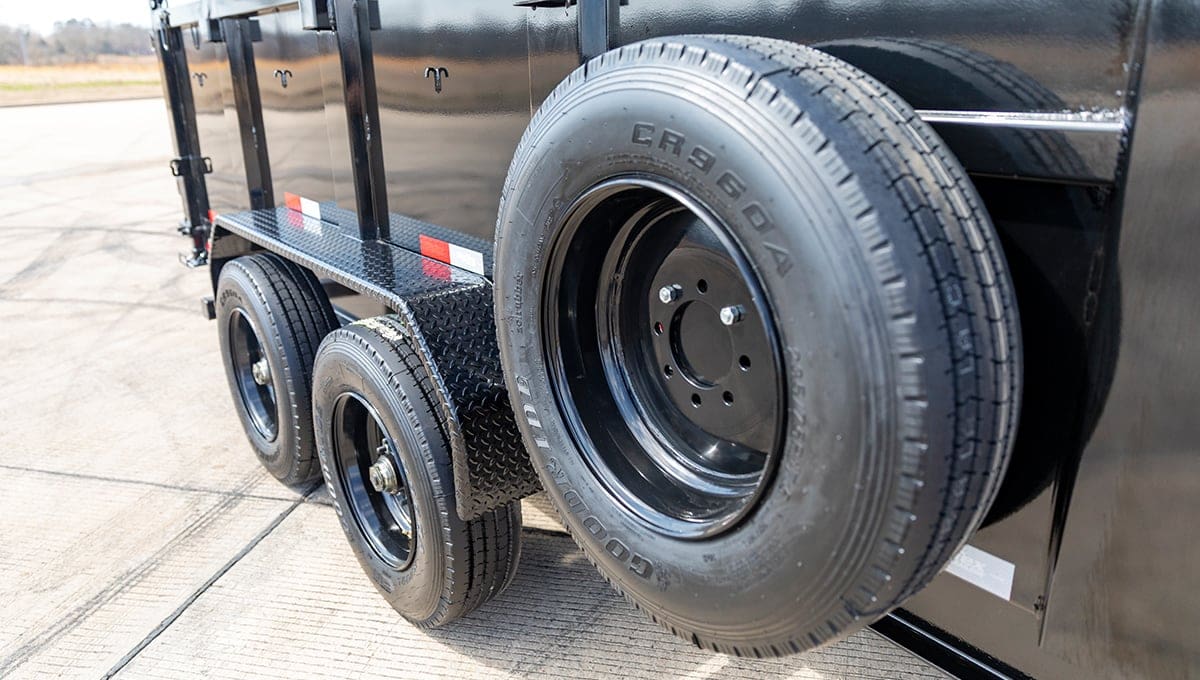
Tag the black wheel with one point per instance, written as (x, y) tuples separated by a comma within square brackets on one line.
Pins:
[(386, 459), (759, 334), (271, 317)]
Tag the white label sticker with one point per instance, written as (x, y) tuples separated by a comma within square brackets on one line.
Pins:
[(984, 570)]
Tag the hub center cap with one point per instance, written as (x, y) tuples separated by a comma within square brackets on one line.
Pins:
[(700, 344), (383, 476), (261, 371)]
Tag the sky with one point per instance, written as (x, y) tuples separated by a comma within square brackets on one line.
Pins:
[(40, 15)]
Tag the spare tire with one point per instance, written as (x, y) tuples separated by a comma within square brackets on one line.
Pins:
[(759, 334)]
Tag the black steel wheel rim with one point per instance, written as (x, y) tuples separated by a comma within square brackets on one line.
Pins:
[(257, 395), (663, 356), (384, 518)]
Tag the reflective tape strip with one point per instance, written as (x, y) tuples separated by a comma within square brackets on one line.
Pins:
[(463, 258), (304, 206), (310, 208), (434, 248)]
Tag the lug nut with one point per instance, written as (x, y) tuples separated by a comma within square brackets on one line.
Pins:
[(669, 294), (732, 314), (383, 476), (261, 371)]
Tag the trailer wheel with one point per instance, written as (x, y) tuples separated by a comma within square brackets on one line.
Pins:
[(271, 316), (386, 459), (760, 337)]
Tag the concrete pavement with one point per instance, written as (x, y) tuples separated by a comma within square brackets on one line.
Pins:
[(138, 535)]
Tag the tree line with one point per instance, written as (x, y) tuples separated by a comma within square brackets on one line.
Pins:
[(72, 42)]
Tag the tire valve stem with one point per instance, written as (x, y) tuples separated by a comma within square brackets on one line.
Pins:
[(732, 314)]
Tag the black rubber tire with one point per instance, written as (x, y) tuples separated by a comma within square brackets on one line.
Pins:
[(458, 565), (889, 292), (291, 311), (1060, 396)]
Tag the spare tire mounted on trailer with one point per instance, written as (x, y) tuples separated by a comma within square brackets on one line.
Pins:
[(759, 335)]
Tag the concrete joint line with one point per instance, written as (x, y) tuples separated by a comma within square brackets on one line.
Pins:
[(173, 616)]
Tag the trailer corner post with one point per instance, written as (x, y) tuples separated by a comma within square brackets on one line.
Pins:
[(189, 166), (352, 24), (239, 34)]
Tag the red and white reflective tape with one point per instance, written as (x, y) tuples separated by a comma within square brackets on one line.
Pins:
[(455, 256), (305, 206)]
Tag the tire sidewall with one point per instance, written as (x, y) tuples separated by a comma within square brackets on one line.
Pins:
[(414, 590), (236, 291), (809, 510)]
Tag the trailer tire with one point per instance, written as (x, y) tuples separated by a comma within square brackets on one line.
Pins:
[(874, 300), (940, 76), (271, 316), (431, 565)]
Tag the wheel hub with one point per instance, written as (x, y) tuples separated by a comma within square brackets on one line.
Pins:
[(712, 334), (657, 327), (372, 480), (383, 476), (261, 371)]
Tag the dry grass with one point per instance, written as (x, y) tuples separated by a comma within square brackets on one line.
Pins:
[(125, 79)]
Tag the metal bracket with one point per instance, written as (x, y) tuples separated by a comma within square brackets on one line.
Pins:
[(181, 166), (198, 258), (535, 4), (210, 31), (208, 308), (164, 25), (315, 15)]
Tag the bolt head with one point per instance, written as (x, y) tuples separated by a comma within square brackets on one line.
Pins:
[(669, 294), (732, 314)]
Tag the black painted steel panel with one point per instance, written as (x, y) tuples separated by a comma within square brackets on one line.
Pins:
[(336, 130), (1078, 49), (446, 153), (449, 313), (1124, 601), (246, 109), (212, 93), (288, 61)]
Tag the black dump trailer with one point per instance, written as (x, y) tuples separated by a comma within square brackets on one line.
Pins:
[(807, 315)]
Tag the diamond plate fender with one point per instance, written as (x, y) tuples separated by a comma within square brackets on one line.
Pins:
[(449, 317)]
